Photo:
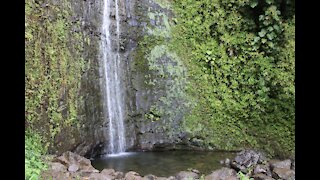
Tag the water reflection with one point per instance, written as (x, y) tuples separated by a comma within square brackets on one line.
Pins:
[(163, 163)]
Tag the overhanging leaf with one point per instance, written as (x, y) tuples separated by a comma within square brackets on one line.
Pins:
[(263, 40), (269, 1), (253, 3), (262, 33)]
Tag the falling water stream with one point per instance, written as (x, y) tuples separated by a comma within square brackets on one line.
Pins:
[(157, 163), (112, 89)]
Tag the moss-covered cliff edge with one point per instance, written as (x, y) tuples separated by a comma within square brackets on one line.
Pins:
[(199, 74), (61, 90), (217, 75)]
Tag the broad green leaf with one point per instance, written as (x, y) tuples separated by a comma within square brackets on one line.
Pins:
[(263, 40), (262, 33), (270, 28), (253, 3), (270, 36), (270, 44)]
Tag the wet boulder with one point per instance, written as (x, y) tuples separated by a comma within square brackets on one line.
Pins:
[(247, 159)]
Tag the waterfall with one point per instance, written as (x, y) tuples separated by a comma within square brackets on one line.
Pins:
[(113, 99)]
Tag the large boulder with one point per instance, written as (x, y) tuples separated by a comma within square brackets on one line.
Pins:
[(286, 164), (56, 171), (186, 175), (246, 159), (72, 166), (223, 174), (283, 173), (75, 162)]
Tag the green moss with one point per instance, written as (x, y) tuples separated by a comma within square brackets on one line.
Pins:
[(164, 74), (54, 65), (162, 30)]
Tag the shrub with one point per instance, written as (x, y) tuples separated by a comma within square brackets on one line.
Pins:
[(34, 151)]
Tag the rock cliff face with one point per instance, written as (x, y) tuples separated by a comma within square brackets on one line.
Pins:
[(153, 76), (62, 88), (156, 80), (88, 15)]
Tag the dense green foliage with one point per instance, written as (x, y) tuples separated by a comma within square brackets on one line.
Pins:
[(240, 58), (34, 151), (53, 67)]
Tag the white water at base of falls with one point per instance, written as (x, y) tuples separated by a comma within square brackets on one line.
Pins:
[(112, 89)]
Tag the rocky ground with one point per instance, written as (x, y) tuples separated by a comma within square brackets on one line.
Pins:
[(251, 163)]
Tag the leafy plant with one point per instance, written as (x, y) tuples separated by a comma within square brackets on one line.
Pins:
[(243, 176), (34, 151), (236, 53), (53, 66)]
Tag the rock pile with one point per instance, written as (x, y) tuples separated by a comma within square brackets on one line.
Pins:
[(256, 166), (249, 162)]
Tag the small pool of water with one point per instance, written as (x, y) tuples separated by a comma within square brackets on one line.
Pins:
[(163, 164)]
